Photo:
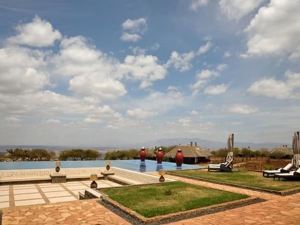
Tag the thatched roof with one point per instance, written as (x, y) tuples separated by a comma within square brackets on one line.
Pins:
[(282, 150), (188, 151)]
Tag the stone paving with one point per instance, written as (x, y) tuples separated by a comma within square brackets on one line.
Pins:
[(85, 212), (277, 210), (32, 194)]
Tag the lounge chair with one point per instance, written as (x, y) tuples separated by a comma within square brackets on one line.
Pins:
[(293, 175), (225, 166), (271, 173)]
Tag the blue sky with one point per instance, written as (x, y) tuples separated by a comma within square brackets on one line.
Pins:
[(122, 72)]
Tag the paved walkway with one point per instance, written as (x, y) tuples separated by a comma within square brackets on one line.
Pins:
[(32, 194), (280, 211), (85, 212), (259, 194), (277, 210)]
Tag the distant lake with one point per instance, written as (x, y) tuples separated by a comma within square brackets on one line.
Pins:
[(135, 165)]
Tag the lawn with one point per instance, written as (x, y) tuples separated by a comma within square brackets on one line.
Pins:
[(240, 178), (165, 198)]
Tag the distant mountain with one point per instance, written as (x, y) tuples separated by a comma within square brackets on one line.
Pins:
[(207, 143), (150, 144), (3, 148)]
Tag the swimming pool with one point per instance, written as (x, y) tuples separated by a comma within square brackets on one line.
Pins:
[(135, 165)]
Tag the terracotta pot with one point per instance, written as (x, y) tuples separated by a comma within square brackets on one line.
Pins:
[(179, 158), (143, 154), (159, 156)]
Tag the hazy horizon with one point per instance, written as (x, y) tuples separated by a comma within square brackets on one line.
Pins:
[(121, 72)]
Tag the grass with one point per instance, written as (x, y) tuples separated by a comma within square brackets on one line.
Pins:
[(241, 178), (165, 198)]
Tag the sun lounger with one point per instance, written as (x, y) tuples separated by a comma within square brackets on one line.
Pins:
[(271, 173), (226, 166), (293, 175)]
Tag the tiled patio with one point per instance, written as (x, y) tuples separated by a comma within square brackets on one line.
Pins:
[(277, 210), (32, 194)]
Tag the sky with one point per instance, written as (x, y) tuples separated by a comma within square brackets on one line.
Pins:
[(120, 72)]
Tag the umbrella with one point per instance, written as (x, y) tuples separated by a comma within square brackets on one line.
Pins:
[(230, 142), (298, 141), (296, 146)]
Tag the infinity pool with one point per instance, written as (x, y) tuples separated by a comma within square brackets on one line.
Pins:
[(135, 165)]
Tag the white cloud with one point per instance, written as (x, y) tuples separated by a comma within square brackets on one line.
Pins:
[(236, 9), (280, 89), (92, 72), (222, 67), (185, 122), (133, 29), (242, 109), (38, 33), (103, 114), (275, 29), (204, 48), (183, 61), (194, 113), (130, 37), (159, 102), (21, 70), (105, 88), (197, 4), (140, 113), (204, 77), (207, 74), (53, 121), (144, 68), (227, 54), (271, 88), (216, 89), (136, 25)]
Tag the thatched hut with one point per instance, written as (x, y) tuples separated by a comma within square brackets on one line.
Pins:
[(192, 154)]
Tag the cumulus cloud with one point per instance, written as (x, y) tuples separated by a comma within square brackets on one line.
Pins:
[(242, 109), (130, 37), (275, 30), (21, 70), (197, 4), (280, 89), (236, 9), (156, 103), (38, 33), (92, 72), (204, 77), (183, 61), (144, 68), (133, 29), (140, 113), (89, 76), (216, 89), (103, 113)]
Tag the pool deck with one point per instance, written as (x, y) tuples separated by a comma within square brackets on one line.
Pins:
[(277, 210), (43, 193)]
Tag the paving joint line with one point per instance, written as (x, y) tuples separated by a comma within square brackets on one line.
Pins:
[(84, 184), (70, 192), (11, 196), (42, 194)]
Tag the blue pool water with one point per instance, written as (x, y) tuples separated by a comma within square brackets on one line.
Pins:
[(135, 165)]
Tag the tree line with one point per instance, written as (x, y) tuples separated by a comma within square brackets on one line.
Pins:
[(19, 154), (30, 154), (275, 153), (79, 154)]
